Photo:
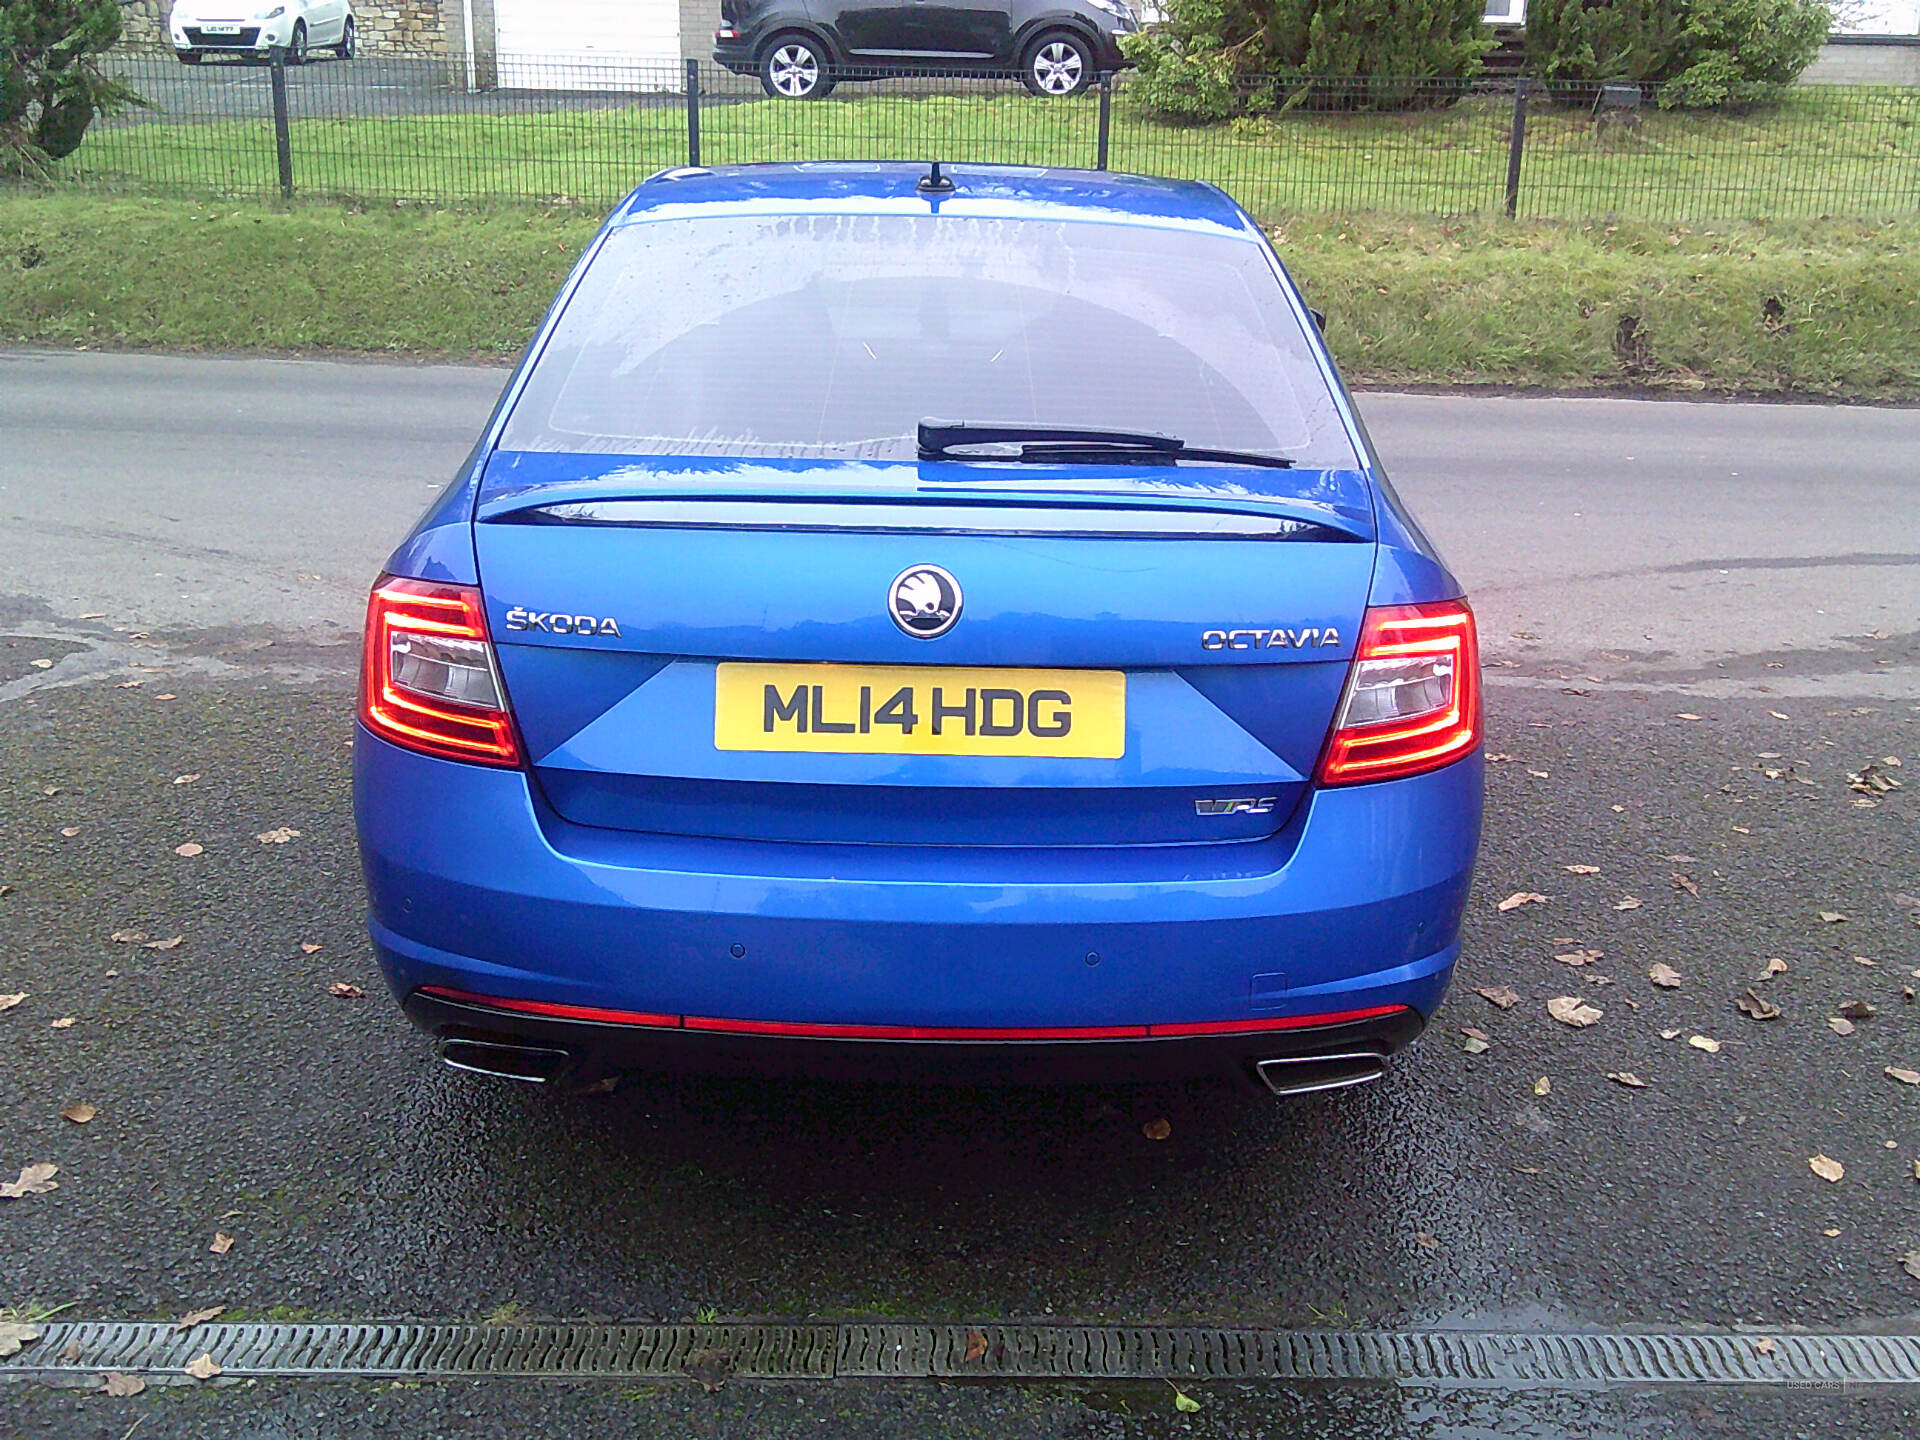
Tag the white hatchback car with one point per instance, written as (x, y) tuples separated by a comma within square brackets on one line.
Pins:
[(254, 27)]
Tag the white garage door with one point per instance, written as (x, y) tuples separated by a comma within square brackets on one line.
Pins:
[(588, 44)]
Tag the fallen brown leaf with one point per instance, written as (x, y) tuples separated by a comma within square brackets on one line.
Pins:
[(1831, 917), (69, 1353), (190, 849), (976, 1347), (307, 947), (173, 944), (1571, 1010), (79, 1114), (203, 1368), (1905, 1077), (69, 831), (1703, 1042), (1684, 882), (1521, 897), (65, 1022), (1775, 966), (7, 1002), (1626, 1078), (221, 1243), (342, 990), (1858, 1010), (710, 1367), (1580, 957), (1910, 1262), (121, 1387), (1749, 1003), (1839, 1026), (278, 836), (34, 1180), (1425, 1240), (128, 937), (1476, 1042), (199, 1317), (1764, 1345), (1626, 902), (1665, 976), (1543, 1086), (1828, 1170), (13, 1335), (1158, 1129), (185, 779), (1581, 869), (1500, 995)]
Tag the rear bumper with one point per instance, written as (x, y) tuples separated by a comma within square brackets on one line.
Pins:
[(475, 886), (586, 1047)]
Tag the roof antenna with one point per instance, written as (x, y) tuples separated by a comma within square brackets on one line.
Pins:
[(934, 183)]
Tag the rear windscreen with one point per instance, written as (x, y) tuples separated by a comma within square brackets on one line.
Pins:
[(823, 336)]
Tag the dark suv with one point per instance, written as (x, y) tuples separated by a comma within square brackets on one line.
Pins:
[(801, 48)]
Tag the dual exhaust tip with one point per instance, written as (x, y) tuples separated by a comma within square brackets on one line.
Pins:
[(505, 1060), (539, 1064), (1307, 1074)]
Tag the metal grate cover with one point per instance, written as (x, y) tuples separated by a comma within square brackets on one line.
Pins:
[(1530, 1359)]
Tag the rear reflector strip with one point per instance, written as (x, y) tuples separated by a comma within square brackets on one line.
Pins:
[(547, 1009)]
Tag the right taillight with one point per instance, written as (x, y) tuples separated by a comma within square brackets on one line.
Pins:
[(1413, 699), (428, 679)]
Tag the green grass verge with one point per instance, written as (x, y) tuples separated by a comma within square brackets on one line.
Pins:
[(1821, 151), (1815, 308)]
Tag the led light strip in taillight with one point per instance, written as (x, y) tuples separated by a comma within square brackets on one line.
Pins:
[(428, 680), (1412, 702)]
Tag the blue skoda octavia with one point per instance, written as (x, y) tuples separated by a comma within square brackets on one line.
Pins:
[(924, 624)]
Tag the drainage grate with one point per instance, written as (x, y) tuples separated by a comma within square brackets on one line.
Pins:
[(1011, 1352)]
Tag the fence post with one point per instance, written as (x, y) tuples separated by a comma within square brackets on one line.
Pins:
[(1106, 118), (1516, 146), (282, 136), (693, 112)]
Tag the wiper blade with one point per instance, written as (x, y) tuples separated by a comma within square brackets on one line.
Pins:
[(1067, 445)]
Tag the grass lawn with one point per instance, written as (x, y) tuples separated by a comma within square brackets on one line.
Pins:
[(1792, 307), (1822, 151)]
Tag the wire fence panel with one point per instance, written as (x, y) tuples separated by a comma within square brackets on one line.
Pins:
[(411, 129)]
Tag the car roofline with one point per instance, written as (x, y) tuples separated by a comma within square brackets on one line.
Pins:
[(883, 187)]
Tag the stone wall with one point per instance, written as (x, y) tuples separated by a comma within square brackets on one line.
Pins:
[(387, 27), (1857, 60)]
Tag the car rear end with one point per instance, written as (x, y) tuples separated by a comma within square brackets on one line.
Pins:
[(703, 727)]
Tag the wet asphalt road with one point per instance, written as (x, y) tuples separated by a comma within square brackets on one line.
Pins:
[(194, 576)]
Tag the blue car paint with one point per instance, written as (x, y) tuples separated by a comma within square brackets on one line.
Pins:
[(476, 883)]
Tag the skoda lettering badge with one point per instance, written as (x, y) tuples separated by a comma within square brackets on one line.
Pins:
[(924, 601)]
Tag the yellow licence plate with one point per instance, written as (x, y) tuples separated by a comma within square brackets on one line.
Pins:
[(920, 710)]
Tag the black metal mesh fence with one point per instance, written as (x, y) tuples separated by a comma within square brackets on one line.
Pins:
[(560, 129)]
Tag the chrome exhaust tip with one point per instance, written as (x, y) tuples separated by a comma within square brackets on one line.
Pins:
[(536, 1064), (1304, 1074)]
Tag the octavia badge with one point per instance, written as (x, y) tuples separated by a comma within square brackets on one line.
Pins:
[(924, 601)]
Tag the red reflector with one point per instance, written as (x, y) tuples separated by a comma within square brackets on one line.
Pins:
[(552, 1011), (420, 612), (1413, 699), (802, 1029)]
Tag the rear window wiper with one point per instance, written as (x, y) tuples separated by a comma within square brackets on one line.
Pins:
[(1069, 445)]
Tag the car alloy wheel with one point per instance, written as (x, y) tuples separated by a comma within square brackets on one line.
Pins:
[(792, 71), (1057, 66), (297, 47), (345, 48)]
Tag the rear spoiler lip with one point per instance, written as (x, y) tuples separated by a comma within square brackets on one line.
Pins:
[(928, 515), (1218, 490)]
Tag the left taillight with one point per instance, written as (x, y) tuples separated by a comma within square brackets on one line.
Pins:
[(428, 680), (1413, 698)]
